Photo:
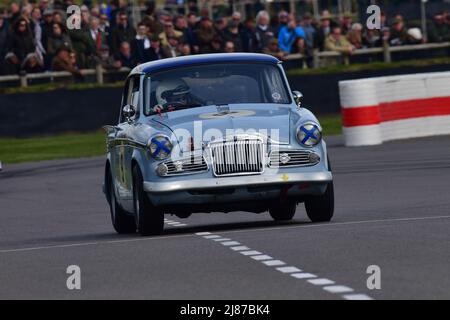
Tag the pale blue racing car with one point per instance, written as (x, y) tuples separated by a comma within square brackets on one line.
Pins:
[(214, 133)]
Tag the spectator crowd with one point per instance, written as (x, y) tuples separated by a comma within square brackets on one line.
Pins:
[(34, 36)]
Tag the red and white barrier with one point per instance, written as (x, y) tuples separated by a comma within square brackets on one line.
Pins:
[(396, 107)]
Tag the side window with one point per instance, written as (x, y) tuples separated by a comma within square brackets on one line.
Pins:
[(131, 95)]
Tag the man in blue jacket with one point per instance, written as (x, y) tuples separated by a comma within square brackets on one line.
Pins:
[(289, 34)]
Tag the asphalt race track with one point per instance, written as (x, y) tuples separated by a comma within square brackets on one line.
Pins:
[(392, 210)]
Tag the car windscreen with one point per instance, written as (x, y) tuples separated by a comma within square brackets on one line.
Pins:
[(214, 84)]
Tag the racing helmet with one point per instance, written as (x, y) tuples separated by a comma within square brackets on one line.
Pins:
[(172, 90)]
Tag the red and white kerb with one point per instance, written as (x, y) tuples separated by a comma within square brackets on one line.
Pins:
[(398, 107)]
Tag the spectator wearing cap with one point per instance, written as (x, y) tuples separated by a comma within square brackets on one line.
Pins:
[(123, 32), (171, 48), (324, 29), (232, 34), (169, 30), (46, 26), (105, 58), (414, 36), (336, 41), (309, 29), (354, 36), (124, 58), (140, 46), (263, 33), (346, 23), (398, 34), (156, 52), (157, 25), (288, 35), (273, 50), (204, 34), (440, 29)]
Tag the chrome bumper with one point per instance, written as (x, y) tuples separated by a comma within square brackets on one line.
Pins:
[(237, 181)]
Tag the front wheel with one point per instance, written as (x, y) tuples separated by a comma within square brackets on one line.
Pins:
[(149, 219), (121, 220), (283, 211), (321, 208)]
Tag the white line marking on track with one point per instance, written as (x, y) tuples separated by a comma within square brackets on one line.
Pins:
[(221, 239), (272, 263), (230, 243), (303, 275), (202, 233), (211, 236), (326, 284), (250, 253), (240, 248), (356, 296), (321, 282), (261, 257), (338, 289), (289, 269)]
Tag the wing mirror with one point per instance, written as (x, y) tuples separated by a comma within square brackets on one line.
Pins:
[(298, 96), (128, 112)]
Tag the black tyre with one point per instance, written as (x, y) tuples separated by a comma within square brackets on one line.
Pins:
[(149, 220), (121, 220), (283, 211), (321, 208)]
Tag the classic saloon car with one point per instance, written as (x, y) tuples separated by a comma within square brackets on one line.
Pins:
[(214, 133)]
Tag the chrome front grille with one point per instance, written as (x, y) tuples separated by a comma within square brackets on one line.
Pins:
[(238, 157), (194, 164), (292, 158)]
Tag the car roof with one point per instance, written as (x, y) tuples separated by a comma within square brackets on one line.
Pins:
[(202, 59)]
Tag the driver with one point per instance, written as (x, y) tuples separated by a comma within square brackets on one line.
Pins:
[(172, 93)]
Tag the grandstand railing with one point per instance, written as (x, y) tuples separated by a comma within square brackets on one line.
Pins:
[(317, 57)]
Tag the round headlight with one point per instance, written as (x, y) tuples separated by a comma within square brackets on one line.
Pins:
[(162, 169), (160, 147), (309, 134)]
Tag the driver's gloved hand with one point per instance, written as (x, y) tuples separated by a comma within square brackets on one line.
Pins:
[(158, 108)]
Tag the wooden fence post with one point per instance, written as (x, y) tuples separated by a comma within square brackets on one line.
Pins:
[(99, 73), (386, 51)]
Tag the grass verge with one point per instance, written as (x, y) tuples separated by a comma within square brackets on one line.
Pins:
[(73, 145), (80, 145)]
